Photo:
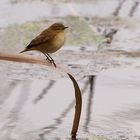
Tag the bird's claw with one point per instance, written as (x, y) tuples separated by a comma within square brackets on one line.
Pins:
[(52, 61)]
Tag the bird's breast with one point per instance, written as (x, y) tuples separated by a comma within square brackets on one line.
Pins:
[(58, 40)]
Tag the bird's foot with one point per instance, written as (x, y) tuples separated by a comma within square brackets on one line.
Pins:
[(52, 61)]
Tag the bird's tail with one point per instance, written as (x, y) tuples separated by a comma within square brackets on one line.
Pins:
[(24, 50)]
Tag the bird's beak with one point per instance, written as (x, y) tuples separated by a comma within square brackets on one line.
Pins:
[(65, 27)]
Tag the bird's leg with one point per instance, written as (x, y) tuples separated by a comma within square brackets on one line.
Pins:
[(51, 59), (48, 57)]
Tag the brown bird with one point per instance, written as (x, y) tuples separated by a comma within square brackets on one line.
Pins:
[(49, 41)]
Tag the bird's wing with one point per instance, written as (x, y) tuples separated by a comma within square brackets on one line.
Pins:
[(42, 38)]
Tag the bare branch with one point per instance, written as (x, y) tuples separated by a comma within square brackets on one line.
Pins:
[(24, 58), (33, 60)]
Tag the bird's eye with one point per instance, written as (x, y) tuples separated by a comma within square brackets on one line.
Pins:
[(58, 28)]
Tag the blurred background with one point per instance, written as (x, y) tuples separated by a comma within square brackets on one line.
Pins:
[(102, 51)]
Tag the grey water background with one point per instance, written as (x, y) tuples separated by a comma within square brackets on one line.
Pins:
[(38, 103)]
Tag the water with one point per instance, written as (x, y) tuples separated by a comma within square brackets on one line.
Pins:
[(22, 12), (110, 108), (33, 98)]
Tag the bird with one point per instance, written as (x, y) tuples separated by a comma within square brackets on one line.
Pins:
[(48, 41)]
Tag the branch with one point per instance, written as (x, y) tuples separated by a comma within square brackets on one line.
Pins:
[(33, 60), (78, 107), (24, 58)]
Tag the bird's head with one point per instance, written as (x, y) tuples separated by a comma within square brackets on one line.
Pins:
[(58, 27)]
